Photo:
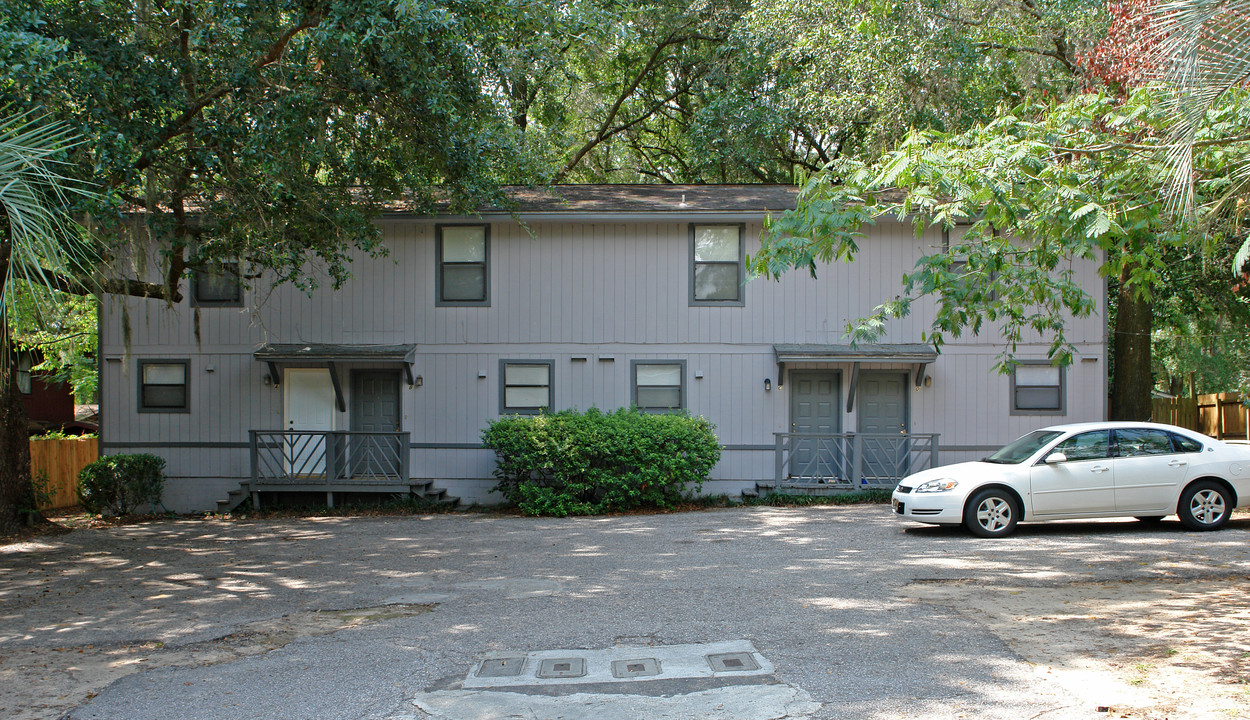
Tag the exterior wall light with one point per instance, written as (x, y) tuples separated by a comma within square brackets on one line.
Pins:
[(419, 381), (768, 385)]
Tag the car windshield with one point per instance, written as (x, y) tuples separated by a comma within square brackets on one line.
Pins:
[(1023, 448)]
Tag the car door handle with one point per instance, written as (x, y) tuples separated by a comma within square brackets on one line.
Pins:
[(1099, 468), (1177, 463)]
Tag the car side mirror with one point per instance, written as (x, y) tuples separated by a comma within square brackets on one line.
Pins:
[(1056, 457)]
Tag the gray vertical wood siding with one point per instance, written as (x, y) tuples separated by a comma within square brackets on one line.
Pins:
[(559, 291)]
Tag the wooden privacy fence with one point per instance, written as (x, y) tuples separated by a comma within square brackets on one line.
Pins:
[(1221, 415), (62, 460)]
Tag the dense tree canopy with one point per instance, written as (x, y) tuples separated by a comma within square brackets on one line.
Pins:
[(1039, 187)]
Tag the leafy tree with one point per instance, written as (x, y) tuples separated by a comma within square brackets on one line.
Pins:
[(1040, 186), (38, 241), (794, 85), (270, 133), (62, 327)]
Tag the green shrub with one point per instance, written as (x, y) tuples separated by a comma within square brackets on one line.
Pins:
[(570, 463), (117, 484)]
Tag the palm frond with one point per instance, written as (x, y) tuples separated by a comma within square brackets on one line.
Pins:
[(35, 198), (1203, 51)]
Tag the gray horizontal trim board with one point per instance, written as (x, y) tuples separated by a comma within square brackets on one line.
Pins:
[(172, 444), (586, 218), (968, 448), (447, 446), (768, 448)]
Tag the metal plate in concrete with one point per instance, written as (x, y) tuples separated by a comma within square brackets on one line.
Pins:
[(672, 662), (502, 667), (567, 667), (641, 667), (733, 662)]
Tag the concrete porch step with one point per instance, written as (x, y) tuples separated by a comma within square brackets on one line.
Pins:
[(423, 489)]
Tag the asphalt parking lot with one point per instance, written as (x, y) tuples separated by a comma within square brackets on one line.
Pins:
[(419, 617)]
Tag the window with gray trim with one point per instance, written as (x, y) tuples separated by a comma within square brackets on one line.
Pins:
[(463, 264), (1037, 388), (658, 385), (163, 386), (716, 264), (527, 386), (217, 285)]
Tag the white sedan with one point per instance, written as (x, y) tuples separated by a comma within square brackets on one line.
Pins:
[(1088, 470)]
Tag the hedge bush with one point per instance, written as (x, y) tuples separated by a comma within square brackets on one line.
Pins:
[(571, 463), (117, 484)]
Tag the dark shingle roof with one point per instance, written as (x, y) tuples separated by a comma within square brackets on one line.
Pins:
[(593, 199)]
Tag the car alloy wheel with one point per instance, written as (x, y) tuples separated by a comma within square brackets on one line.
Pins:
[(1204, 506), (991, 513)]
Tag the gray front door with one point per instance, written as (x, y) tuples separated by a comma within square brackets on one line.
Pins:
[(814, 400), (882, 400), (375, 409)]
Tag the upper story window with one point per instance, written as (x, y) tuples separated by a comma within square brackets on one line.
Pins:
[(217, 285), (23, 374), (716, 264), (659, 385), (163, 386), (1037, 388), (527, 386), (463, 253)]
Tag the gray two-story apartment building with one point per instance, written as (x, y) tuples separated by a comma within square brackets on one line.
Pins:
[(575, 297)]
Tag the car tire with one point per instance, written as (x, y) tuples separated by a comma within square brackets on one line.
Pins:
[(1149, 519), (1205, 505), (991, 513)]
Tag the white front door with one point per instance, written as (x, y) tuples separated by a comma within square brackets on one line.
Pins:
[(308, 405)]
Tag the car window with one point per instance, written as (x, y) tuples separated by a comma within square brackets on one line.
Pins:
[(1023, 447), (1086, 446), (1139, 441), (1184, 444)]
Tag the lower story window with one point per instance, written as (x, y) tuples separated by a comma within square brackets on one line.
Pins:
[(1037, 388), (527, 386), (163, 386), (659, 384)]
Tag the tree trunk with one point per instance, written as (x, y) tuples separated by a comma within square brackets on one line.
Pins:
[(17, 494), (1130, 347)]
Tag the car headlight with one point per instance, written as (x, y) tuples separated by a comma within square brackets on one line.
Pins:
[(941, 485)]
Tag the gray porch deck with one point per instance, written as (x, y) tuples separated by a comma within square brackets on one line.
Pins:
[(330, 461), (818, 463)]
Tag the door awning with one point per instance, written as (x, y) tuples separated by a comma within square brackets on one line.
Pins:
[(918, 354), (329, 355)]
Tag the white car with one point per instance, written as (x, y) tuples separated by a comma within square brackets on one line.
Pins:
[(1087, 470)]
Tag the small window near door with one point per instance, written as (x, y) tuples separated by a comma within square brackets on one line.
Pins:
[(217, 285), (463, 264), (716, 264), (527, 386), (1037, 389), (659, 385), (163, 386)]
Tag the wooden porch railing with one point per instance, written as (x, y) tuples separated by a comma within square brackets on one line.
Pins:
[(852, 460), (327, 460)]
